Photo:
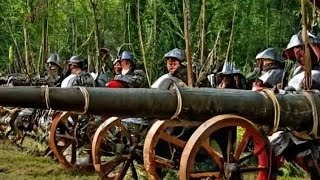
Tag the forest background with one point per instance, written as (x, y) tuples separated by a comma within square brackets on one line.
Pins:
[(235, 30)]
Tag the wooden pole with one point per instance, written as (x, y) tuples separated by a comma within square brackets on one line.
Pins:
[(142, 48), (202, 30), (306, 57), (188, 50)]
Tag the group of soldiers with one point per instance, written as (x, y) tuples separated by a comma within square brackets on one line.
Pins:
[(269, 72)]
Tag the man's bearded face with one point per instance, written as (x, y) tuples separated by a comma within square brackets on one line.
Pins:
[(172, 65)]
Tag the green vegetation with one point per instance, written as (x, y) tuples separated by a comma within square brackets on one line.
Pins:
[(32, 29), (19, 165)]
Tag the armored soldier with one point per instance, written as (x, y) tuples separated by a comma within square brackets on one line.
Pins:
[(176, 73), (106, 73), (108, 76), (292, 145), (76, 76), (228, 77), (129, 74), (270, 67), (54, 70), (295, 51), (117, 66)]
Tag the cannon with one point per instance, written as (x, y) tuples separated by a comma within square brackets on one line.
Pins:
[(197, 125)]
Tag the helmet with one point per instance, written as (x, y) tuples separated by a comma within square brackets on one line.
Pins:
[(270, 53), (75, 59), (229, 68), (296, 40), (175, 53), (104, 51), (54, 58), (126, 55)]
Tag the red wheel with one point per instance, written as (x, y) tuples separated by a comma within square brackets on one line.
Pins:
[(247, 157), (164, 144)]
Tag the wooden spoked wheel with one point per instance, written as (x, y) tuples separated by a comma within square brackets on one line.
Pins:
[(164, 144), (114, 150), (248, 156), (66, 143)]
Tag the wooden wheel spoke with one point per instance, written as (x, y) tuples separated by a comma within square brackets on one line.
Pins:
[(171, 139), (65, 136), (163, 162), (213, 154), (201, 175), (242, 145), (244, 158), (253, 169), (134, 171), (124, 170), (109, 166), (230, 149), (124, 130), (61, 149), (198, 142), (73, 153)]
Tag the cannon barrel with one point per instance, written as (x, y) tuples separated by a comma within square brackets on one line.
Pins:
[(198, 104)]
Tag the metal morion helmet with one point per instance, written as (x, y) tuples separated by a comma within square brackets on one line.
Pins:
[(54, 58), (175, 53), (126, 55), (229, 68), (296, 40), (75, 59), (270, 53)]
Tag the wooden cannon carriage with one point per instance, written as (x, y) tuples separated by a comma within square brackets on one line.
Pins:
[(192, 124)]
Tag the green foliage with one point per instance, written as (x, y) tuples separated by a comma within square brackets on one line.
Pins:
[(70, 27), (21, 166), (292, 170)]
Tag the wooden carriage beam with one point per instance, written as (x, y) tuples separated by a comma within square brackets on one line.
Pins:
[(198, 104)]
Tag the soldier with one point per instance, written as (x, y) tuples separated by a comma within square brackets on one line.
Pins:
[(54, 70), (106, 73), (295, 51), (117, 66), (229, 77), (129, 74), (108, 76), (174, 59), (270, 67), (76, 76), (292, 145)]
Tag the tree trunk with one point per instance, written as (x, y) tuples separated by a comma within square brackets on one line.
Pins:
[(45, 38), (94, 5), (25, 34), (188, 50), (142, 43), (20, 67), (72, 36), (203, 31)]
